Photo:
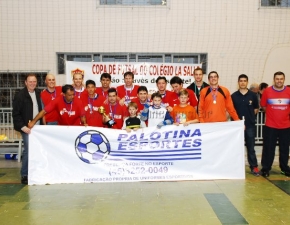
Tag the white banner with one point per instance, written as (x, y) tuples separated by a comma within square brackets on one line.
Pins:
[(144, 73), (76, 154)]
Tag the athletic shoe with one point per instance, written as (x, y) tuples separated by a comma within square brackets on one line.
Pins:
[(255, 171), (265, 173), (24, 180), (286, 173)]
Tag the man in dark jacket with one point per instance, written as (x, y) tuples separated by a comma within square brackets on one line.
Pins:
[(26, 105)]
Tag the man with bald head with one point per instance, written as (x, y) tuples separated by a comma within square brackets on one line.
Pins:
[(48, 95)]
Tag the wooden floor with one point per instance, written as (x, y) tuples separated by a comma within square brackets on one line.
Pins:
[(255, 200)]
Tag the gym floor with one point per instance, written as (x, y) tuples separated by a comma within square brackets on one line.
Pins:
[(255, 200)]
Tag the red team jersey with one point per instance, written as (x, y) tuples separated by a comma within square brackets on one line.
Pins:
[(79, 94), (46, 98), (139, 104), (129, 93), (69, 113), (168, 97), (117, 113), (99, 91), (91, 106), (277, 103)]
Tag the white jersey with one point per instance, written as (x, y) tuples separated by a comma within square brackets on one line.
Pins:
[(156, 116)]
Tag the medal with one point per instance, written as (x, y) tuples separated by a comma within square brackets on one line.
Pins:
[(214, 101)]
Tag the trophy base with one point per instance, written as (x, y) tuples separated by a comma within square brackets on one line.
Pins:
[(110, 123)]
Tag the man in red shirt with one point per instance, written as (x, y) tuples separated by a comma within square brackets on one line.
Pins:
[(105, 82), (127, 91), (276, 102), (69, 107), (114, 112), (142, 98), (177, 85), (167, 96), (48, 95), (91, 102)]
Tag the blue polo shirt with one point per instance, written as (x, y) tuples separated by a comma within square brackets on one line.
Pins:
[(245, 106)]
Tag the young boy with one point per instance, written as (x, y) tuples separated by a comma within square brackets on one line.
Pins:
[(183, 113), (133, 122), (156, 114)]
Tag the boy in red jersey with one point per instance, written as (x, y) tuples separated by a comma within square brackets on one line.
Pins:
[(114, 113), (47, 95), (167, 96), (127, 91), (142, 98), (183, 113), (69, 107), (91, 102)]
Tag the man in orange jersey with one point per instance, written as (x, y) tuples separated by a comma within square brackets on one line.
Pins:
[(215, 101)]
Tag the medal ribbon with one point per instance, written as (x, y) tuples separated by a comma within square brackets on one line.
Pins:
[(214, 95), (52, 94), (66, 104)]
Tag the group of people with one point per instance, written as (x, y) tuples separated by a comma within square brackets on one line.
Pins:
[(130, 107)]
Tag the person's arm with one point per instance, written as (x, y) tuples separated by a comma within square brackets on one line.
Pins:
[(145, 112), (230, 106), (201, 106), (38, 117), (167, 120), (84, 120)]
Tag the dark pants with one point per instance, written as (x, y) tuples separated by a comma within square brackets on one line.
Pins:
[(270, 137), (24, 168), (250, 134)]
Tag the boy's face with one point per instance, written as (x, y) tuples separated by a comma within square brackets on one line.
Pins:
[(132, 111), (91, 89), (142, 95), (157, 101), (183, 99), (161, 85), (105, 82)]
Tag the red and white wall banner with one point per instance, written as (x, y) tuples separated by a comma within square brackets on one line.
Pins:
[(144, 73), (78, 154)]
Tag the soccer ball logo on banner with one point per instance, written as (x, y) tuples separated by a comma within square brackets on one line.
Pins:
[(92, 146)]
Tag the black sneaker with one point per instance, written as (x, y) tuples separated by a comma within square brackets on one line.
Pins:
[(24, 180), (265, 173), (286, 173)]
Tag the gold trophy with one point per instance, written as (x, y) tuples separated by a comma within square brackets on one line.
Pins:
[(106, 119)]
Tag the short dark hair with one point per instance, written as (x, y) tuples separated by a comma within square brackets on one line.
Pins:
[(129, 73), (196, 69), (90, 82), (263, 86), (279, 73), (30, 75), (243, 76), (142, 88), (156, 95), (211, 73), (111, 90), (106, 75), (67, 87), (161, 78), (176, 80)]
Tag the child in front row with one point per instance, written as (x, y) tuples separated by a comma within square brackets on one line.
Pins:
[(156, 114), (133, 122), (183, 113)]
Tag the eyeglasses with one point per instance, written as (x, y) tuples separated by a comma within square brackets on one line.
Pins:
[(213, 77)]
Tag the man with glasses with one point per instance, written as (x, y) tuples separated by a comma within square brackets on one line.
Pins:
[(215, 101)]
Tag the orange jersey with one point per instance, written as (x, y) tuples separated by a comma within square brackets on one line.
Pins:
[(213, 105), (183, 114)]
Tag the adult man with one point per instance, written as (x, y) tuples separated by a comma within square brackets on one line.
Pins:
[(177, 85), (114, 112), (91, 102), (26, 105), (50, 94), (78, 85), (167, 96), (105, 82), (142, 98), (276, 102), (215, 101), (127, 91), (198, 83), (68, 106), (247, 106)]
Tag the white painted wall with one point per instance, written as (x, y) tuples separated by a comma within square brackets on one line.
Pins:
[(238, 35)]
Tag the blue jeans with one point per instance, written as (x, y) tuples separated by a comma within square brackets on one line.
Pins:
[(270, 137), (250, 134), (24, 168), (52, 123)]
